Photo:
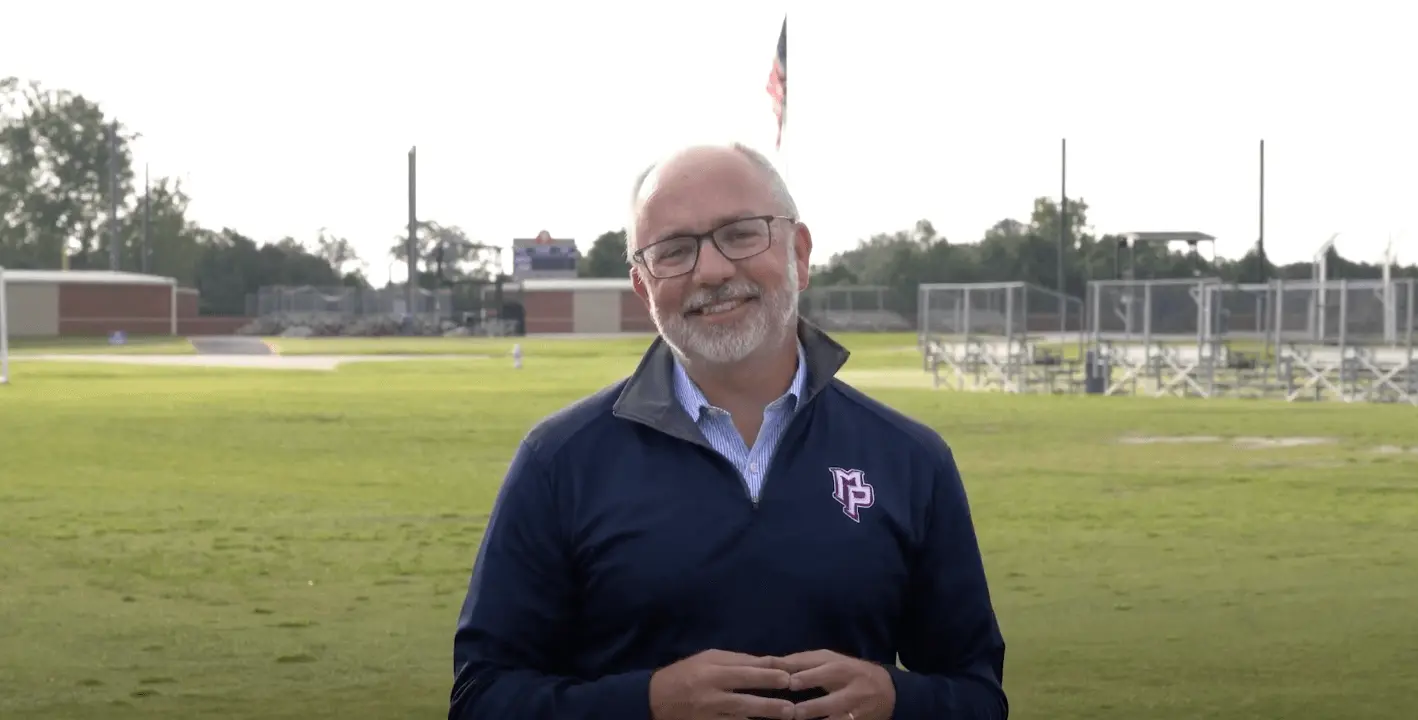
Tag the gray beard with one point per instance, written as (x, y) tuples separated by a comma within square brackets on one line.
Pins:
[(769, 321)]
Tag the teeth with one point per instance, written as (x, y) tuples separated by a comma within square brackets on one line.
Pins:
[(720, 307)]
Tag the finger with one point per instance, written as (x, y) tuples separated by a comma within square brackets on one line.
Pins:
[(832, 676), (724, 657), (737, 705), (729, 677), (798, 662), (834, 705)]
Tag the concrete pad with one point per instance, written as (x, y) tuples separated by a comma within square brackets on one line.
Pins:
[(230, 345)]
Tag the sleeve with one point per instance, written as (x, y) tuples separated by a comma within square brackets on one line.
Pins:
[(952, 646), (509, 660)]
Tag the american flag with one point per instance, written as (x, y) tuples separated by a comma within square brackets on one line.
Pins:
[(778, 82)]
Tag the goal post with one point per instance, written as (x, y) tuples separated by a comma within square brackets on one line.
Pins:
[(4, 333)]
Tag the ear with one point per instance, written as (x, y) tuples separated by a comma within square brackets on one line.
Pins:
[(637, 284), (802, 245)]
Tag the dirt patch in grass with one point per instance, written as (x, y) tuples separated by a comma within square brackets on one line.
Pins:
[(1395, 450), (1264, 443), (1240, 443), (1168, 439)]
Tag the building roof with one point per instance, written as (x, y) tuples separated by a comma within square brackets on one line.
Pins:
[(568, 284), (1186, 236), (84, 277)]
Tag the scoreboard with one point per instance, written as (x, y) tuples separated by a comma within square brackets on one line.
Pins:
[(544, 257)]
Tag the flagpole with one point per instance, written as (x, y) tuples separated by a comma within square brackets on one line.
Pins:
[(783, 158), (778, 90)]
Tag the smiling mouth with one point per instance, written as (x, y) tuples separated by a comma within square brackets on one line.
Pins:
[(719, 308)]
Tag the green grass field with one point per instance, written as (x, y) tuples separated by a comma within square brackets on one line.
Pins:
[(196, 543), (141, 345)]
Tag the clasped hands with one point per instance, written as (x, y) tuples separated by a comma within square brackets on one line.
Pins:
[(711, 685)]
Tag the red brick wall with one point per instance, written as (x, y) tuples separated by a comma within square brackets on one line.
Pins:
[(101, 310), (105, 309), (634, 316), (187, 299), (209, 324), (549, 312), (190, 322)]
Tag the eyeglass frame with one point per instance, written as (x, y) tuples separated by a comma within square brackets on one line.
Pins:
[(639, 255)]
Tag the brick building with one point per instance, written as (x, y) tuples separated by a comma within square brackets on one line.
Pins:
[(53, 303), (582, 305)]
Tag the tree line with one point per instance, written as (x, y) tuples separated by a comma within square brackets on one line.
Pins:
[(1020, 251), (68, 186)]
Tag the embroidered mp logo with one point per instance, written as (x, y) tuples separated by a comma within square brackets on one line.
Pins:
[(850, 489)]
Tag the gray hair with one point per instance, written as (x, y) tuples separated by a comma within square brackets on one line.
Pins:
[(776, 184)]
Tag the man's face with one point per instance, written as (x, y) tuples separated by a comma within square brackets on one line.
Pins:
[(724, 310)]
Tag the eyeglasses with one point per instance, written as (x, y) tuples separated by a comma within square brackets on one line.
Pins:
[(737, 240)]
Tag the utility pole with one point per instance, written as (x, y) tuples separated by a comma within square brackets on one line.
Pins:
[(411, 245), (1063, 232), (1260, 243), (113, 252), (147, 216)]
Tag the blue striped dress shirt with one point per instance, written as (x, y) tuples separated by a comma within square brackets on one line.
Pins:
[(718, 426)]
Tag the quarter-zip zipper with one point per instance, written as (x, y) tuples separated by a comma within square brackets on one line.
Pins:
[(723, 461), (789, 433)]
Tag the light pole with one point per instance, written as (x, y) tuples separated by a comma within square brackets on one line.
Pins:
[(147, 218), (114, 261)]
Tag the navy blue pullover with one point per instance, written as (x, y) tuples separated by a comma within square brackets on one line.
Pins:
[(620, 543)]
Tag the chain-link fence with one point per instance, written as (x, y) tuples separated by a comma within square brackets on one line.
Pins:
[(999, 336), (1365, 312), (306, 311), (1244, 311), (1361, 312), (1337, 339), (1154, 337), (1002, 309), (1151, 311), (1346, 339), (349, 302), (854, 309)]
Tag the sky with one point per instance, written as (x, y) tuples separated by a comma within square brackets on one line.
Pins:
[(284, 118)]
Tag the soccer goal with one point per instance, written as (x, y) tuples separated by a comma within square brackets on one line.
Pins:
[(4, 333)]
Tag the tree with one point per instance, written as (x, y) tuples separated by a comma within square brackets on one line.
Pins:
[(446, 256), (337, 252), (606, 258), (173, 242), (1028, 251), (54, 171), (340, 255), (55, 208), (232, 266), (55, 204)]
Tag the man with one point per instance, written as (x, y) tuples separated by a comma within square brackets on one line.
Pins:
[(731, 532)]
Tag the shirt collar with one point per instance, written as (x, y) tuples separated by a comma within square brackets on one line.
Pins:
[(694, 402)]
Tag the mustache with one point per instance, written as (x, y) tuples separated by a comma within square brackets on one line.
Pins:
[(704, 297)]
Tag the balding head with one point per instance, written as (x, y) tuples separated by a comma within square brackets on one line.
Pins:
[(730, 255), (699, 158)]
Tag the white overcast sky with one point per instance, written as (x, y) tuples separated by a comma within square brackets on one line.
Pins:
[(285, 117)]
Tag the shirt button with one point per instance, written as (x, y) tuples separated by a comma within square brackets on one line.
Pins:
[(753, 467)]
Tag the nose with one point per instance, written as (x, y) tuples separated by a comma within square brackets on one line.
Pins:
[(713, 268)]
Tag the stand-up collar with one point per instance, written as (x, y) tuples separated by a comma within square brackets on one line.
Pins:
[(649, 395), (692, 399)]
